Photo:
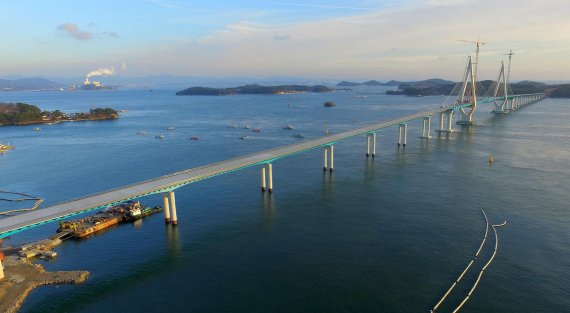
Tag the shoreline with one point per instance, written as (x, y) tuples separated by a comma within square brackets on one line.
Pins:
[(60, 121), (23, 276)]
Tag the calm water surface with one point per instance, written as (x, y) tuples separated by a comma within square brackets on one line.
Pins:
[(383, 235)]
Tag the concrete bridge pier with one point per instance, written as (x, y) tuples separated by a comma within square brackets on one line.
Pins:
[(403, 129), (442, 128), (325, 167), (367, 145), (373, 137), (263, 184), (331, 147), (267, 184), (166, 208), (270, 176), (373, 145), (174, 220), (426, 130)]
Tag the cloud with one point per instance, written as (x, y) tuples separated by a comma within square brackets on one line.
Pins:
[(324, 6), (244, 27), (75, 32), (163, 4), (111, 34), (281, 37), (412, 41)]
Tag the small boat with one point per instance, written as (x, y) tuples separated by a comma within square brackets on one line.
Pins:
[(137, 212), (298, 136), (161, 137), (4, 148), (233, 126), (37, 129), (170, 128), (195, 137), (289, 127), (141, 132), (244, 137), (247, 127), (491, 159), (256, 130)]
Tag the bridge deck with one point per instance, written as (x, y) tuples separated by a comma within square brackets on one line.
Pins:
[(172, 181)]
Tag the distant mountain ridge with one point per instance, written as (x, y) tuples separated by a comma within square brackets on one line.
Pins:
[(345, 83), (28, 84)]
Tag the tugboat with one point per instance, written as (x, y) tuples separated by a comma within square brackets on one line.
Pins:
[(137, 211)]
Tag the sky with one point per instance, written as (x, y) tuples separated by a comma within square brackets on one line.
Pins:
[(358, 39)]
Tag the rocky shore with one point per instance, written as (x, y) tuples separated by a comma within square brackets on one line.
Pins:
[(22, 277)]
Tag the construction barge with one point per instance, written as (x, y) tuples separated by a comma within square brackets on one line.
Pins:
[(122, 213)]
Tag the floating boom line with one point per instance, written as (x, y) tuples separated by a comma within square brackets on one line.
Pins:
[(469, 266), (24, 197)]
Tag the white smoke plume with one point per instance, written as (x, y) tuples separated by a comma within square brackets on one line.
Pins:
[(102, 72)]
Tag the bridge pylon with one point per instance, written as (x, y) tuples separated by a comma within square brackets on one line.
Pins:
[(501, 92), (467, 98)]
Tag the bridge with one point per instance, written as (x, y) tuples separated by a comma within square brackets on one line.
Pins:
[(168, 183), (462, 98)]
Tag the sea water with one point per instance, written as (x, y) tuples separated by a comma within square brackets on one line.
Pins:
[(388, 234)]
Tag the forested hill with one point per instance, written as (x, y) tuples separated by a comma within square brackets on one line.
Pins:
[(251, 90)]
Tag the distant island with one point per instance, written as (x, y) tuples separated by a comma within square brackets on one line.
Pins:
[(25, 114), (345, 83), (29, 84), (435, 86), (42, 84), (428, 87), (252, 90)]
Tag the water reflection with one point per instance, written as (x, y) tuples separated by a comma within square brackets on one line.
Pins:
[(268, 208), (328, 182), (173, 242)]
